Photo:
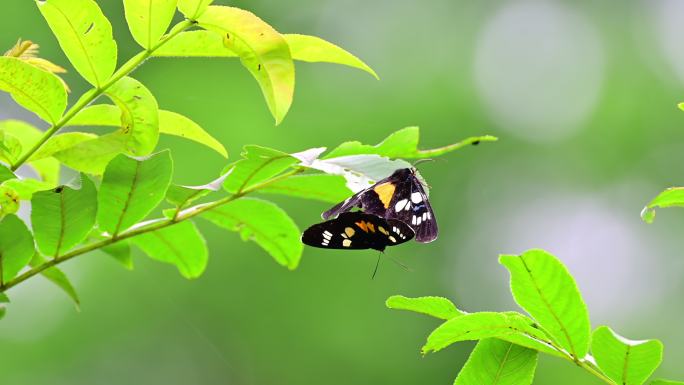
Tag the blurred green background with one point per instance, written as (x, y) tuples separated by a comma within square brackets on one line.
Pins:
[(582, 95)]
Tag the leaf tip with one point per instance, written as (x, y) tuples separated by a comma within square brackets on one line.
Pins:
[(681, 106), (648, 214)]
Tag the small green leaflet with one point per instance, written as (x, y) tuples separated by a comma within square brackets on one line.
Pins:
[(10, 148), (61, 142), (85, 35), (131, 189), (139, 115), (262, 50), (322, 187), (48, 168), (63, 217), (181, 245), (545, 289), (92, 156), (258, 164), (264, 223), (315, 50), (25, 188), (16, 247), (5, 173), (437, 307), (148, 20), (9, 200), (57, 276), (403, 144), (38, 91), (625, 361), (181, 196), (497, 362), (672, 197)]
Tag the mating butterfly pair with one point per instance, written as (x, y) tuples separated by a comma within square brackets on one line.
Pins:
[(394, 210)]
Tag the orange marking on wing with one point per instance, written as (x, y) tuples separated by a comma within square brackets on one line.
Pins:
[(385, 192), (371, 227), (362, 226)]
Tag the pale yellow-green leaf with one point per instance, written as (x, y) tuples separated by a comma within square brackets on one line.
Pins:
[(192, 9), (148, 19), (314, 49), (61, 142), (47, 168), (38, 91), (85, 35), (262, 50), (195, 44), (92, 156)]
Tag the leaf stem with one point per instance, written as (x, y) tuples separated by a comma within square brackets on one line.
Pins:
[(153, 226), (92, 94)]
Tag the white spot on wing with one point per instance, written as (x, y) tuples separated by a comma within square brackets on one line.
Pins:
[(401, 204), (391, 238), (346, 243), (416, 197)]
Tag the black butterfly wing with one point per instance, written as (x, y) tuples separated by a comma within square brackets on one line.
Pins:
[(338, 233), (399, 232), (373, 200), (410, 205)]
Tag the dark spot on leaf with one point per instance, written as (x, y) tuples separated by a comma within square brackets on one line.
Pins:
[(137, 97), (90, 27), (227, 36), (261, 34), (259, 67), (59, 189), (475, 143)]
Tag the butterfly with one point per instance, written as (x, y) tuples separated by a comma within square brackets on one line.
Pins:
[(402, 197), (357, 230)]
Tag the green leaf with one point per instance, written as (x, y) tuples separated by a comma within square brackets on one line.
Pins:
[(314, 49), (404, 144), (149, 19), (545, 289), (666, 382), (322, 187), (170, 123), (5, 173), (437, 307), (57, 276), (25, 188), (121, 252), (61, 142), (139, 115), (3, 299), (497, 362), (48, 168), (84, 34), (9, 200), (264, 223), (181, 245), (262, 50), (192, 9), (672, 197), (16, 247), (92, 156), (259, 164), (34, 89), (63, 217), (625, 361), (181, 195), (476, 326), (131, 189), (195, 44), (10, 147)]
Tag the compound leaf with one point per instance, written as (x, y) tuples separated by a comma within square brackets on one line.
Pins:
[(63, 217), (84, 34), (181, 245), (263, 222), (262, 50), (131, 189), (497, 362), (545, 289), (625, 361), (34, 89)]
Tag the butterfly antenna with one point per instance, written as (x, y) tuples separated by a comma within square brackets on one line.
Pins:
[(419, 161), (377, 264), (400, 264)]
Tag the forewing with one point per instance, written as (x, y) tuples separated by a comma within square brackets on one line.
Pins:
[(411, 206)]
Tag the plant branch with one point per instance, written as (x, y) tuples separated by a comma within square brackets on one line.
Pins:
[(92, 94), (153, 226)]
